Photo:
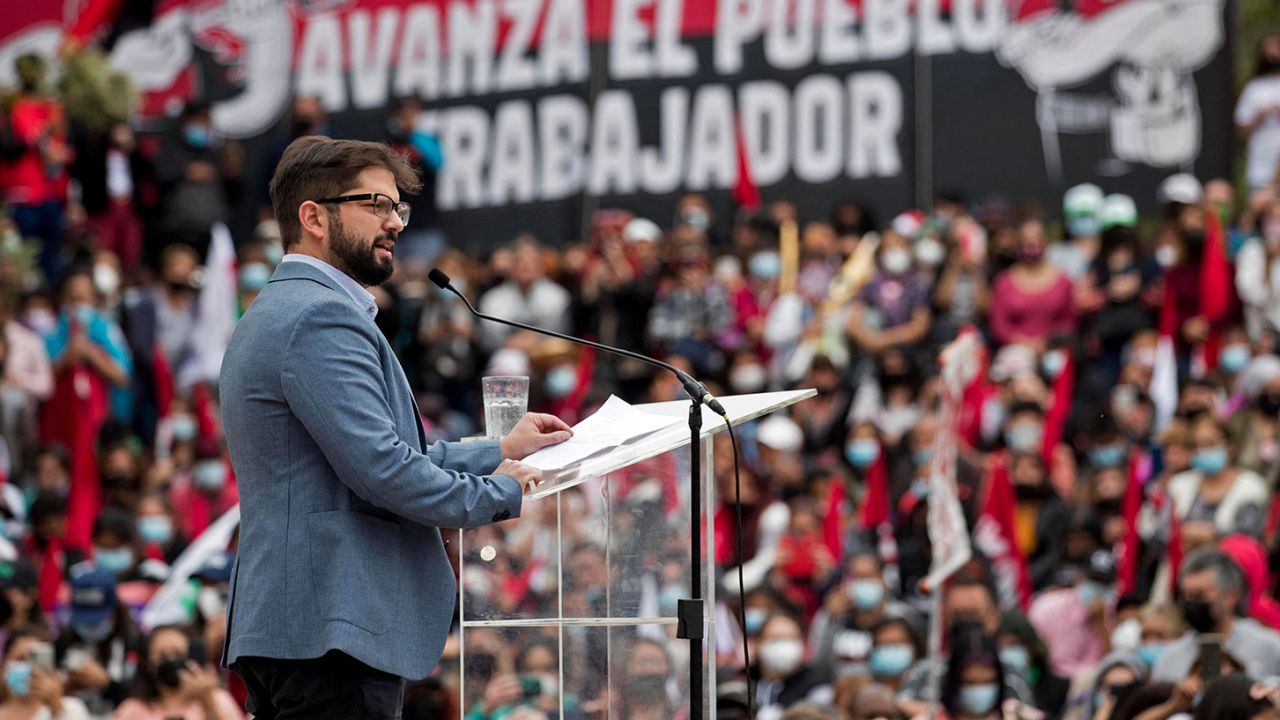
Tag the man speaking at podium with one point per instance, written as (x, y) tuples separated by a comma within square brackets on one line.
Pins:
[(342, 588)]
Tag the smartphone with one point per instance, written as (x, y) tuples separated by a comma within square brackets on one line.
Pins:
[(530, 687), (1210, 657), (42, 657)]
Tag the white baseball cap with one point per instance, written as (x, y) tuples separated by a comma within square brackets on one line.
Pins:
[(1180, 188)]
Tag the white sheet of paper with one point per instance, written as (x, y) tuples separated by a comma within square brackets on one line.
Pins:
[(615, 423)]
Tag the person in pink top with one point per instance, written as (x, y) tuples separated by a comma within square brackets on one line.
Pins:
[(1031, 301), (1075, 621), (173, 685)]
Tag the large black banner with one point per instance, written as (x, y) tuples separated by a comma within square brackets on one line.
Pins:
[(546, 109)]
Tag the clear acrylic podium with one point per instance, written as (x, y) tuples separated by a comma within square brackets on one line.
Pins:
[(570, 610)]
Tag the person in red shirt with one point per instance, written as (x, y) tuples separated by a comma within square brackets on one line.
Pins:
[(34, 180)]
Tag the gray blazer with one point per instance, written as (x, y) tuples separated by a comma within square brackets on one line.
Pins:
[(340, 497)]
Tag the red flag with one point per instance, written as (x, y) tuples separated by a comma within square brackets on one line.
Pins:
[(833, 522), (1056, 419), (1215, 286), (745, 193), (1174, 553), (994, 535), (163, 381), (875, 506), (1131, 546), (51, 571), (92, 17)]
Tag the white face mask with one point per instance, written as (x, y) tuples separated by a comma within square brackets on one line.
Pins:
[(1167, 256), (782, 656), (930, 252), (106, 279), (896, 261), (748, 378)]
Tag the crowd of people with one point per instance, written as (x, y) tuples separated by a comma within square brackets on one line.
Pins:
[(1118, 449)]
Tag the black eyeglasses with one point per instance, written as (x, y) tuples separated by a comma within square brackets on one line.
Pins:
[(382, 205)]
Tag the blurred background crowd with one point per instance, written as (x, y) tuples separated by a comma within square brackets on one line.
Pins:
[(1118, 453)]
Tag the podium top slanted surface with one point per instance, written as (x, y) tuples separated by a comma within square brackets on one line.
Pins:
[(741, 408)]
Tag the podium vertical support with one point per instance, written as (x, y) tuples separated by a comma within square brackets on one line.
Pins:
[(690, 612)]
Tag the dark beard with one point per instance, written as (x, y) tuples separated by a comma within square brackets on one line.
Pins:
[(353, 257)]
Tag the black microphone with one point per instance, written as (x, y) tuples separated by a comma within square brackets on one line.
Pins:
[(695, 389)]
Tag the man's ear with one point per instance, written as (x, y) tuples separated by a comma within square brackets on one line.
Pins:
[(313, 219)]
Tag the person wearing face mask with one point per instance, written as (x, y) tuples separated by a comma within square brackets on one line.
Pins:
[(98, 650), (91, 364), (783, 678), (171, 683), (1254, 428), (1257, 268), (1215, 498), (973, 687), (112, 173), (1212, 589), (32, 689), (36, 179), (1081, 214), (1100, 693), (204, 494), (892, 310), (1076, 621), (1039, 517), (1032, 300), (199, 176), (841, 632), (895, 649), (1117, 283), (825, 419), (159, 326), (648, 676), (158, 533), (1022, 651), (1257, 115)]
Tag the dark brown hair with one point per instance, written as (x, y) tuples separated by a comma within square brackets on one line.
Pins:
[(315, 167)]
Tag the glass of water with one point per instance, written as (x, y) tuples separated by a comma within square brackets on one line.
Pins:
[(506, 400)]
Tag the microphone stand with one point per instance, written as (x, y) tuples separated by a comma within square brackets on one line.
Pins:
[(690, 612)]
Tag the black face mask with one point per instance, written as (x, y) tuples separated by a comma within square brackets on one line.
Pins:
[(167, 673), (1110, 506), (1033, 492), (178, 287), (1199, 615), (649, 689), (1269, 403), (1193, 412)]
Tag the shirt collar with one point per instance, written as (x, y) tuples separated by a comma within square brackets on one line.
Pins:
[(363, 297)]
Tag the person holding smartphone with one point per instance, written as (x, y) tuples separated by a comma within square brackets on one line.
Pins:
[(173, 682), (32, 687)]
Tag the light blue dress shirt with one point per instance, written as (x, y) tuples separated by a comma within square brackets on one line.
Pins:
[(363, 297)]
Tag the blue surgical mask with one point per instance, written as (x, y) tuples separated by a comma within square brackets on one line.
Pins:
[(184, 428), (210, 475), (861, 453), (1091, 591), (561, 381), (1015, 657), (754, 618), (920, 489), (155, 529), (922, 457), (865, 594), (1083, 225), (115, 560), (1233, 358), (669, 599), (979, 699), (765, 265), (94, 633), (1210, 461), (254, 276), (1149, 653), (890, 660), (1024, 437), (1106, 456), (275, 254), (1053, 363), (17, 676), (84, 314), (197, 135)]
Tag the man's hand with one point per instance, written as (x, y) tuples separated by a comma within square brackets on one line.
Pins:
[(528, 476), (534, 432)]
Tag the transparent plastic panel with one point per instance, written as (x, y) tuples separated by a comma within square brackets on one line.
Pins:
[(511, 570)]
